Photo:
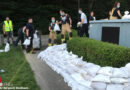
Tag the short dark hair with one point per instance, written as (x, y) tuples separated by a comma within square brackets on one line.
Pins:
[(30, 18), (81, 9), (115, 5), (62, 10)]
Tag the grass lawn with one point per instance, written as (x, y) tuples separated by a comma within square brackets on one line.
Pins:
[(17, 70)]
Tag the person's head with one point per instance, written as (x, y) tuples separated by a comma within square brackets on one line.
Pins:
[(30, 20), (80, 11), (7, 18), (62, 12), (92, 13), (117, 5), (53, 19)]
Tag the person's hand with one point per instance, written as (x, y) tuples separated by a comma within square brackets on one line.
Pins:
[(70, 26), (57, 22), (4, 32), (50, 30)]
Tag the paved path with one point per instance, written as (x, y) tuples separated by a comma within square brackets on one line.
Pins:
[(46, 78)]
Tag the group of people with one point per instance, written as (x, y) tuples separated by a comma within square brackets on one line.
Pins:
[(66, 23), (24, 32)]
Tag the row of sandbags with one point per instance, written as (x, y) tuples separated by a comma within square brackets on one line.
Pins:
[(82, 75)]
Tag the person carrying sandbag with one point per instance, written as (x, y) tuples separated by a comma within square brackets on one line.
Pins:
[(21, 34), (115, 13), (29, 34), (53, 33)]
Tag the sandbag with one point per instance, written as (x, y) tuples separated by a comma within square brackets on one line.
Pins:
[(26, 42), (115, 87), (7, 47), (119, 80), (127, 88), (98, 86), (106, 71), (119, 73), (56, 28), (78, 78), (36, 43), (93, 69), (128, 67), (101, 78)]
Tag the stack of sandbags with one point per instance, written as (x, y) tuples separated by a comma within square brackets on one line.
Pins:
[(81, 75)]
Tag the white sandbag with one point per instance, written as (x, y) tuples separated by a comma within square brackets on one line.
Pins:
[(2, 51), (98, 86), (79, 24), (87, 77), (35, 36), (36, 43), (115, 87), (93, 70), (118, 80), (126, 15), (119, 73), (106, 71), (78, 78), (7, 47), (127, 88), (27, 42), (128, 67), (56, 28), (101, 78)]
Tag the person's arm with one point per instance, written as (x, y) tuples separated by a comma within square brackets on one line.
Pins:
[(49, 28), (24, 28), (70, 22), (27, 32), (3, 28), (119, 13), (82, 20)]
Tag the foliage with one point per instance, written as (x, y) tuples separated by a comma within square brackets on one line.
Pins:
[(101, 53)]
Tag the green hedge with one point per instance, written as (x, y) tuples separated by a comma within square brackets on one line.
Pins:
[(101, 53), (74, 32)]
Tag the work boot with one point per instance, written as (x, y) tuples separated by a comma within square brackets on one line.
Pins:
[(32, 52), (49, 44), (62, 40)]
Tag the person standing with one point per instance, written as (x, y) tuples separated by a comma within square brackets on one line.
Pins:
[(66, 22), (29, 33), (8, 29), (53, 34), (116, 14), (92, 17), (84, 23), (21, 34)]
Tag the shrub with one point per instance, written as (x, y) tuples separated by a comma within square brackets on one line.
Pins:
[(101, 53), (74, 32)]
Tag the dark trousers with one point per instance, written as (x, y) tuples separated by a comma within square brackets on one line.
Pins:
[(9, 35), (20, 38), (79, 29), (84, 30), (30, 47)]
